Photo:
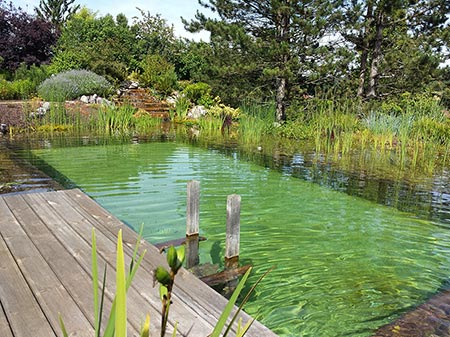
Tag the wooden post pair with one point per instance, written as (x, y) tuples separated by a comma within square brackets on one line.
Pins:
[(193, 225)]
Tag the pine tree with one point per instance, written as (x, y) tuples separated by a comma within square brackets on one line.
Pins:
[(392, 39), (57, 12), (273, 44)]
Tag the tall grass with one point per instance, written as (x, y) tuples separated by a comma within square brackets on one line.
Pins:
[(112, 120)]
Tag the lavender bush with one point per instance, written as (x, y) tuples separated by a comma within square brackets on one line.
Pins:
[(73, 84)]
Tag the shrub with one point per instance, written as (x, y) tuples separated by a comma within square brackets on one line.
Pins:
[(432, 130), (199, 93), (16, 90), (6, 90), (72, 84), (221, 110), (159, 74)]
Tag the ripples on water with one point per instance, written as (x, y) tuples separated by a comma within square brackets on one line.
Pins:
[(344, 265)]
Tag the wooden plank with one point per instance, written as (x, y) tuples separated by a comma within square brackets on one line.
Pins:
[(224, 276), (431, 318), (203, 300), (233, 231), (204, 307), (24, 314), (192, 223), (141, 293), (175, 242), (193, 208), (5, 329), (51, 294), (79, 249)]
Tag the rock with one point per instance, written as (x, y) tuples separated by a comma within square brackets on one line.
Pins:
[(93, 99), (3, 129), (197, 112), (133, 85)]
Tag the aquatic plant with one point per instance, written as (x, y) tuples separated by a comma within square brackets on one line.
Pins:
[(116, 326), (113, 119), (182, 105)]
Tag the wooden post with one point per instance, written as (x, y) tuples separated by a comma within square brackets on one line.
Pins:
[(192, 223), (233, 231)]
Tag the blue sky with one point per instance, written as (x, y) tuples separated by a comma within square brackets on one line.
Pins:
[(171, 10)]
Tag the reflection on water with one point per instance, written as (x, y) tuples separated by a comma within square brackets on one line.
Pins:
[(345, 265)]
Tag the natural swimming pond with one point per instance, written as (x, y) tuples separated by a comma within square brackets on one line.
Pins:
[(344, 265)]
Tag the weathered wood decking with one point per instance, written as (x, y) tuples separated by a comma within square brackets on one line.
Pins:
[(45, 269)]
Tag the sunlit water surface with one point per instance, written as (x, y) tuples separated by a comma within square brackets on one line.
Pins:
[(344, 265)]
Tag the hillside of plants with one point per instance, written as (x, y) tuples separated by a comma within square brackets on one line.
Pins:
[(341, 76)]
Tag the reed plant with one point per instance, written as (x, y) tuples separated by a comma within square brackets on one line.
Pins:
[(113, 119), (182, 105), (116, 326)]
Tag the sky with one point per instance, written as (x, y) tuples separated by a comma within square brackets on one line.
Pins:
[(171, 10)]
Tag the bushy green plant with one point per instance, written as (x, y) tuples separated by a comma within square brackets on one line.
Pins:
[(36, 75), (294, 130), (18, 89), (431, 130), (220, 110), (6, 90), (73, 84), (158, 74), (182, 105), (199, 93)]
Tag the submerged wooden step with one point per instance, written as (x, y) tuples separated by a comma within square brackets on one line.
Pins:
[(429, 319)]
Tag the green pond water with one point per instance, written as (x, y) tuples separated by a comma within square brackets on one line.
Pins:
[(344, 265)]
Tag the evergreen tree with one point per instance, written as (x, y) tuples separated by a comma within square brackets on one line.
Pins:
[(57, 12), (272, 44), (399, 42)]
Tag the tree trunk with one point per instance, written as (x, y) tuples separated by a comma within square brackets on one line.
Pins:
[(281, 99), (365, 50), (376, 56), (283, 18)]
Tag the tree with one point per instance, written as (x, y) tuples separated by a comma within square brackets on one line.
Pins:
[(97, 44), (397, 41), (57, 12), (279, 43), (24, 38)]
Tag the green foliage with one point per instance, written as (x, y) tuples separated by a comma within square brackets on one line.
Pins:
[(158, 74), (73, 84), (199, 93), (432, 131), (112, 119), (182, 105), (166, 279), (24, 83), (117, 322), (101, 45), (220, 110), (56, 12), (153, 35)]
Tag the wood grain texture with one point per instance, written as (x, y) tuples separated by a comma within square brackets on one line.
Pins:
[(45, 268)]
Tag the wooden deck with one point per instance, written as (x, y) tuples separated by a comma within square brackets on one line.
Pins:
[(45, 269)]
